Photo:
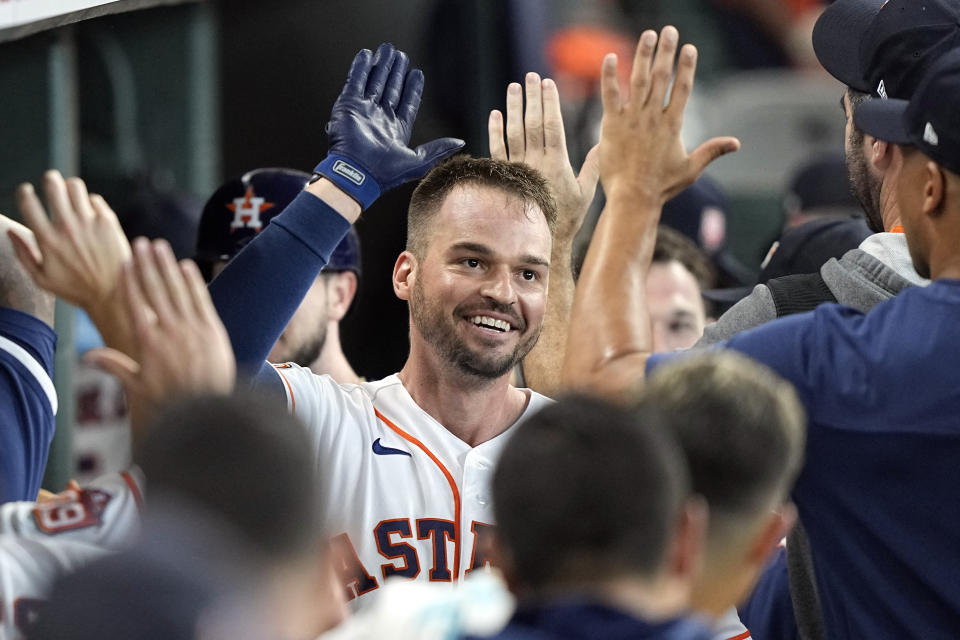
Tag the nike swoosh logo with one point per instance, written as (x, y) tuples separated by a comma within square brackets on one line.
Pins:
[(381, 450)]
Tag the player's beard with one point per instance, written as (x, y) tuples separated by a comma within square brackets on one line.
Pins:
[(864, 186), (440, 331), (307, 351)]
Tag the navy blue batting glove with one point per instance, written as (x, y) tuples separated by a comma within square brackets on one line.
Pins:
[(370, 127)]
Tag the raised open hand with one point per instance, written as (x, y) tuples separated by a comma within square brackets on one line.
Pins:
[(182, 345), (370, 127), (641, 153), (79, 253), (536, 137)]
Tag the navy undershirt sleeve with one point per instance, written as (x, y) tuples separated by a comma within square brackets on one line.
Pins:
[(260, 289)]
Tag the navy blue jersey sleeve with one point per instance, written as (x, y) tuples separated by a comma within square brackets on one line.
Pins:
[(261, 288), (28, 403)]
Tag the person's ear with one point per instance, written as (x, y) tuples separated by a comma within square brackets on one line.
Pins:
[(341, 289), (881, 155), (934, 187), (776, 527), (685, 553), (404, 275)]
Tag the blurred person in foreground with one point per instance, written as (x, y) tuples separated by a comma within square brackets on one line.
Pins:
[(876, 492)]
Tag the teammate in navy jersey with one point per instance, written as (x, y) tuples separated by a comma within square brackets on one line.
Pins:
[(877, 494), (28, 400)]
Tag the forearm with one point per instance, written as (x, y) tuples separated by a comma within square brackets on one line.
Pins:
[(261, 288), (608, 352), (542, 366)]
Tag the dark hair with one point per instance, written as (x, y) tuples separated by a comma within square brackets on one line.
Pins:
[(740, 425), (242, 458), (513, 178), (585, 492), (673, 245)]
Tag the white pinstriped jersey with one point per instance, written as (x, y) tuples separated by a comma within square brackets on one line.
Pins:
[(39, 541), (403, 496)]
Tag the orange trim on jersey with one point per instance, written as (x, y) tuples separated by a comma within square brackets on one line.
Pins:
[(293, 401), (740, 636), (453, 487), (134, 489), (897, 228)]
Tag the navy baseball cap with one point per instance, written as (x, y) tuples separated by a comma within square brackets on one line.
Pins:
[(242, 207), (928, 120), (884, 47)]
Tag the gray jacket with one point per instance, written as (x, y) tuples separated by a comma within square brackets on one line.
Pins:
[(877, 270)]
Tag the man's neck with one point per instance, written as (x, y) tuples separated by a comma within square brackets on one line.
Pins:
[(331, 360), (474, 410)]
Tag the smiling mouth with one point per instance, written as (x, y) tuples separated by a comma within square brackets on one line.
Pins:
[(486, 322)]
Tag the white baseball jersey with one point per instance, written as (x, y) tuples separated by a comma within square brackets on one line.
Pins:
[(403, 496), (39, 541)]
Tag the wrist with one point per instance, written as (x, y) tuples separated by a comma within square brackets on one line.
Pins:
[(353, 179), (335, 198)]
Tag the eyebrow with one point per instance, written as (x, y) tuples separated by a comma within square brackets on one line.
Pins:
[(484, 250)]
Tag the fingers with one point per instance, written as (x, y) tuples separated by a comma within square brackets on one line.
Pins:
[(710, 151), (498, 150), (358, 74), (382, 65), (662, 69), (79, 199), (590, 172), (640, 74), (55, 190), (515, 139), (394, 88), (117, 364), (33, 212), (151, 286), (170, 274), (554, 137), (682, 85), (533, 116), (609, 84), (436, 150), (410, 100), (197, 292)]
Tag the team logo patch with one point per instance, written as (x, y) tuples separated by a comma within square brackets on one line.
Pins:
[(349, 172), (930, 135), (71, 510), (381, 450), (247, 210), (882, 90)]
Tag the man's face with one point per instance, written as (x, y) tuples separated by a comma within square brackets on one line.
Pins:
[(864, 183), (676, 309), (479, 291)]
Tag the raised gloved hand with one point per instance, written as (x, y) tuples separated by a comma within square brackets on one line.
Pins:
[(370, 127)]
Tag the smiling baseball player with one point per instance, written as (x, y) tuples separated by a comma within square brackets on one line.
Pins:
[(407, 460)]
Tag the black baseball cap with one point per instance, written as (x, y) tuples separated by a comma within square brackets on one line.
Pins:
[(802, 249), (928, 120), (884, 47)]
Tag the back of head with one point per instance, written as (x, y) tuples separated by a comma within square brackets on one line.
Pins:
[(513, 178), (243, 459), (585, 493), (741, 427)]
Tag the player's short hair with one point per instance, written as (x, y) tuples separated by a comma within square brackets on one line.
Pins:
[(513, 178), (244, 459), (586, 492), (673, 245), (741, 427)]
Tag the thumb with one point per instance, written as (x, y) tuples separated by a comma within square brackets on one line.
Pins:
[(590, 172), (436, 150), (118, 364), (710, 151)]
